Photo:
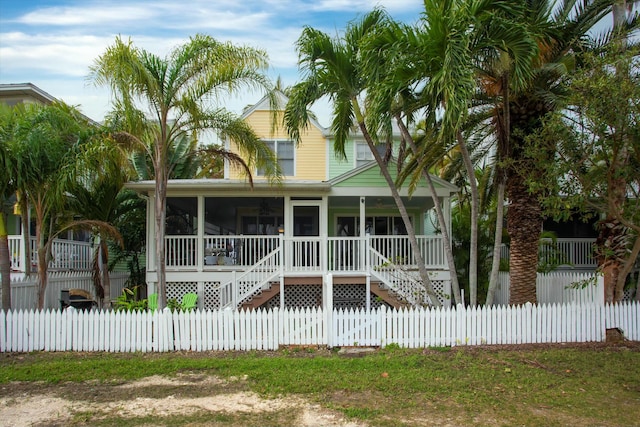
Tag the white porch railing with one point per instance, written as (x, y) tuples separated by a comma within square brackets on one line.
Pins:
[(65, 254), (574, 252), (301, 254)]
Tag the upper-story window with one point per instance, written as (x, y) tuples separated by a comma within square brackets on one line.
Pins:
[(285, 153), (364, 154)]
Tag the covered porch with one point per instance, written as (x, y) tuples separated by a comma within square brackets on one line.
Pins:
[(232, 244)]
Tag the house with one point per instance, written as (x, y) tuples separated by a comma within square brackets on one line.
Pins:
[(329, 235)]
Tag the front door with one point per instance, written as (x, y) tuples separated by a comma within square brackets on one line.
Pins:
[(306, 230)]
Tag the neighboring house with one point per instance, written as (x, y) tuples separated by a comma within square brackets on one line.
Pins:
[(329, 235), (72, 251)]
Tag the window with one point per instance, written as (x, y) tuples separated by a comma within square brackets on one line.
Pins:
[(284, 151), (374, 225), (363, 153)]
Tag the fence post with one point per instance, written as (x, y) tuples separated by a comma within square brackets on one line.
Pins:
[(327, 302)]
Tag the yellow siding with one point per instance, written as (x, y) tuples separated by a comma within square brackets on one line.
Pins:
[(310, 156)]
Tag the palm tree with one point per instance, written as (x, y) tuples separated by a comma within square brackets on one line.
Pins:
[(47, 140), (431, 71), (334, 68), (562, 31), (7, 190), (95, 198), (177, 92)]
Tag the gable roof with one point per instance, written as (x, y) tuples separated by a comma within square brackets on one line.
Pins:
[(24, 91), (281, 102), (370, 173)]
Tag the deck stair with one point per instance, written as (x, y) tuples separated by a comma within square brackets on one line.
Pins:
[(388, 296), (262, 297)]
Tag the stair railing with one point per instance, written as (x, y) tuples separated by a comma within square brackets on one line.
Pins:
[(400, 281), (242, 287)]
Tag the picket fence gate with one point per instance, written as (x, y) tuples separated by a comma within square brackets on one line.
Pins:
[(162, 331)]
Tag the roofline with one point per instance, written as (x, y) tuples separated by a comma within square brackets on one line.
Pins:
[(446, 185), (226, 185), (27, 89)]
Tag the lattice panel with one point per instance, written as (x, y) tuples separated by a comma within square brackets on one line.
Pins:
[(299, 296), (441, 287), (211, 296), (353, 296), (178, 289)]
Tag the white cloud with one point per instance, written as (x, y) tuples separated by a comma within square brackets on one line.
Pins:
[(88, 16)]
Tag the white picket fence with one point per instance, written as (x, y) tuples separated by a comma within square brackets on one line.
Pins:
[(24, 290), (559, 287), (161, 331)]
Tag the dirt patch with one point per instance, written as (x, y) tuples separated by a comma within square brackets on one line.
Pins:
[(31, 404)]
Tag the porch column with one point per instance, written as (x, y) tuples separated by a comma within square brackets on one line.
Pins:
[(364, 248), (200, 237)]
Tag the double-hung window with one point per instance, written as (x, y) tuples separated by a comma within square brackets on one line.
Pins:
[(364, 154), (284, 151)]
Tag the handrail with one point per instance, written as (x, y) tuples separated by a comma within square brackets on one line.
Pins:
[(397, 279), (237, 290)]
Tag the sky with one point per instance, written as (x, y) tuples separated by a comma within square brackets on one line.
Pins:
[(52, 43)]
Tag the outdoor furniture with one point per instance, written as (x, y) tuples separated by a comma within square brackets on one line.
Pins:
[(152, 302), (189, 301), (76, 298)]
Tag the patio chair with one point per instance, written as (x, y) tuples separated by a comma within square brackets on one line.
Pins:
[(189, 301), (152, 302)]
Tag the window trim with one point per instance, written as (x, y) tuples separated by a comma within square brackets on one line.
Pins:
[(275, 143)]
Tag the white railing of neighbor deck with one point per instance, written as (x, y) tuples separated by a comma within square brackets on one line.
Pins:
[(161, 331), (65, 254)]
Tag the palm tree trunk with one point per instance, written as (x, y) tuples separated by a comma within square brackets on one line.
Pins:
[(106, 280), (160, 200), (497, 244), (524, 223), (442, 223), (5, 263), (424, 274), (473, 250)]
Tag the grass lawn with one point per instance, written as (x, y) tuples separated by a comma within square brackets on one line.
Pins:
[(557, 385)]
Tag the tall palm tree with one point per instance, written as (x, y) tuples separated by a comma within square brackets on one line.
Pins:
[(430, 72), (177, 93), (563, 31), (334, 68)]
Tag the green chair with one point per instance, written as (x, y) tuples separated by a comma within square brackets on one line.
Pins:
[(152, 302), (189, 301)]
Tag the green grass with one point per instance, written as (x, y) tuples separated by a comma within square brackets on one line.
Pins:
[(544, 386)]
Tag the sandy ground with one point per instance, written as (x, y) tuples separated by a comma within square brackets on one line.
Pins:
[(35, 409)]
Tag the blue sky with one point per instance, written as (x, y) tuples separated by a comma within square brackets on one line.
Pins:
[(52, 43)]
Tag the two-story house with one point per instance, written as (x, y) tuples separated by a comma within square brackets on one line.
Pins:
[(329, 233)]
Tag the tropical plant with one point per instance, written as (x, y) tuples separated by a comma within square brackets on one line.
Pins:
[(95, 198), (596, 168), (48, 140), (7, 190), (334, 68), (429, 72), (176, 92)]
